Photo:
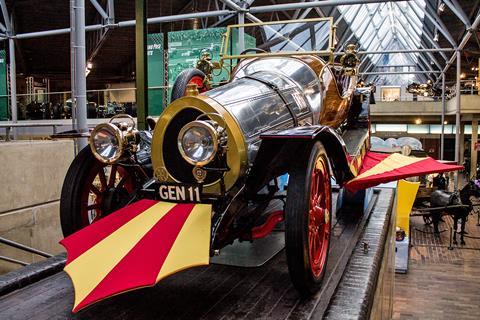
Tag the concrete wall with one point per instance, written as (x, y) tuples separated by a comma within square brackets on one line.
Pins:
[(31, 179), (468, 103), (406, 108)]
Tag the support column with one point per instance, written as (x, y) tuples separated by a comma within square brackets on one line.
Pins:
[(473, 151), (13, 85), (444, 106), (80, 95), (457, 115), (72, 65), (141, 62), (241, 32)]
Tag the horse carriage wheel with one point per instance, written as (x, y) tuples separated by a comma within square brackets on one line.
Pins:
[(92, 190), (307, 219)]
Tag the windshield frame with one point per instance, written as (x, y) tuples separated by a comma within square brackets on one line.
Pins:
[(226, 41)]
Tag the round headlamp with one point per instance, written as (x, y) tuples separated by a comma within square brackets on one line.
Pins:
[(198, 142), (106, 143)]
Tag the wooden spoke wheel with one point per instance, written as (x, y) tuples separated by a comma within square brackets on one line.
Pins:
[(186, 77), (92, 190), (308, 219)]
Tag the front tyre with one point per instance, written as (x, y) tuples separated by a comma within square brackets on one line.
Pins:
[(308, 219), (92, 190)]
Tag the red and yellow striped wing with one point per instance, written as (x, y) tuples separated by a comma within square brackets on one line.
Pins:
[(136, 247), (380, 168)]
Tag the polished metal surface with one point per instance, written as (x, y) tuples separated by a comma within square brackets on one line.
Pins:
[(267, 94)]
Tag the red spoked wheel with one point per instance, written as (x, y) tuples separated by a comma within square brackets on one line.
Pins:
[(319, 216), (184, 78), (108, 188), (92, 190), (308, 219)]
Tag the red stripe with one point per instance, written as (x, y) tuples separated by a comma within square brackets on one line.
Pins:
[(419, 168), (371, 159), (140, 267), (82, 240)]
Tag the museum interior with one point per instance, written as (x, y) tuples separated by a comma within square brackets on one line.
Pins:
[(239, 159)]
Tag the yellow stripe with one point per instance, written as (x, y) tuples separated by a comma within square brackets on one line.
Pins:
[(93, 266), (394, 161), (192, 246)]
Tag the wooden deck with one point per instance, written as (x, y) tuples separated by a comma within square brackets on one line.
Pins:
[(440, 283)]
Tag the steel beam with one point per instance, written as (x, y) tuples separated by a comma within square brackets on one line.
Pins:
[(80, 98), (457, 109), (6, 18), (127, 23), (141, 63), (305, 5), (458, 11), (13, 84), (99, 9), (435, 19), (444, 108), (464, 41), (111, 11), (425, 31), (241, 32)]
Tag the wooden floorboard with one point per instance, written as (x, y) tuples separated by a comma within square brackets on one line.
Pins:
[(440, 283)]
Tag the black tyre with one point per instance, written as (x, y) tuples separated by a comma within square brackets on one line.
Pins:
[(91, 190), (308, 219), (185, 78)]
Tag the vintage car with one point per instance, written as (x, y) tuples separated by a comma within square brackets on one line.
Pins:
[(283, 111)]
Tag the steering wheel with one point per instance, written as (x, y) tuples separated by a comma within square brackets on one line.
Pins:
[(256, 50)]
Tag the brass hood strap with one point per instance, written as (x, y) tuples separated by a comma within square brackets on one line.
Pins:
[(275, 88)]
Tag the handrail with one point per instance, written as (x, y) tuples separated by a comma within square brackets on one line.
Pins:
[(23, 247), (9, 126)]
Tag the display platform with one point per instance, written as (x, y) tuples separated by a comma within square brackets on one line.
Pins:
[(220, 291)]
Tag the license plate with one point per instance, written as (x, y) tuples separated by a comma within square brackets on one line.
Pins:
[(180, 192)]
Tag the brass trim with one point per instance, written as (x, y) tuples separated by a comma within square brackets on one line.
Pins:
[(118, 135), (224, 50), (236, 146)]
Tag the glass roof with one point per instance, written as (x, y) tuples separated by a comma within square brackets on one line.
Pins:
[(388, 26)]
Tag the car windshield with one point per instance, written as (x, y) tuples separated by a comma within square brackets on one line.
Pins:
[(310, 36)]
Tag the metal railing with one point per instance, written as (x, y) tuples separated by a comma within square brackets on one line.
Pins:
[(104, 103), (22, 247)]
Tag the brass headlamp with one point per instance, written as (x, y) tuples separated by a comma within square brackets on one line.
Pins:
[(110, 141), (200, 141)]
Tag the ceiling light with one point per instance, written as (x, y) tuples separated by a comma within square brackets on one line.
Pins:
[(445, 122), (441, 7), (462, 75), (418, 121)]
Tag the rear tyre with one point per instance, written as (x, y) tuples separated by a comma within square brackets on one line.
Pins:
[(92, 190), (186, 77), (308, 219)]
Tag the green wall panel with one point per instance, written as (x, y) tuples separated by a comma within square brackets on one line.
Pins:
[(4, 114), (184, 48), (156, 74)]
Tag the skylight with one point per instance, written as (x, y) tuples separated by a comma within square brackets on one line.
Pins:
[(388, 26)]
